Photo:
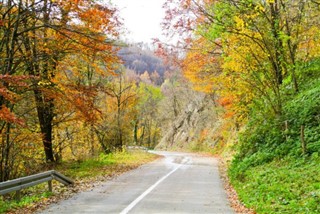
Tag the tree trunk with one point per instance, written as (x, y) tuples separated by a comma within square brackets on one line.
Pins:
[(135, 132), (119, 142), (142, 135), (5, 154), (92, 140), (275, 27), (45, 115)]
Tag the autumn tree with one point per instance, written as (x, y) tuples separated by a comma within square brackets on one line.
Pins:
[(121, 101), (147, 123), (261, 42), (81, 26), (39, 40), (12, 83)]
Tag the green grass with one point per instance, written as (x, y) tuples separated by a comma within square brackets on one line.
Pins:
[(80, 171), (6, 205), (104, 165), (281, 186)]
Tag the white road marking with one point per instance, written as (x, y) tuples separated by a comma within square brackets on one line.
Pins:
[(137, 200)]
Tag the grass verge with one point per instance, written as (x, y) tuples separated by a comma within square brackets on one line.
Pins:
[(86, 174), (281, 186)]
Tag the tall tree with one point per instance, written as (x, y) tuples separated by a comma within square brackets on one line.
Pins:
[(51, 31), (123, 96), (146, 124)]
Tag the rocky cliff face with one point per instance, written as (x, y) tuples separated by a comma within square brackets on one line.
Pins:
[(191, 125)]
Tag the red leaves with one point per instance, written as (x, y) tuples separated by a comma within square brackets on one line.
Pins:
[(7, 116), (17, 80), (9, 85), (8, 95), (82, 99), (227, 103)]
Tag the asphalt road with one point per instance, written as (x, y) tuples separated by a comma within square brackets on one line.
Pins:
[(177, 183)]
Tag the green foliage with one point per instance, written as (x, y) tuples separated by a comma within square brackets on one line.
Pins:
[(279, 136), (149, 92), (4, 206), (146, 125), (261, 134), (308, 73), (281, 186), (304, 110), (270, 172)]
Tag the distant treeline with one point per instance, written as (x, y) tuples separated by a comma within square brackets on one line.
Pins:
[(141, 59)]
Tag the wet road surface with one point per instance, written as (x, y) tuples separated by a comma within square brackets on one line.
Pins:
[(176, 183)]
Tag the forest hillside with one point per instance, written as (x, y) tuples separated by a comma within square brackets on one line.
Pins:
[(140, 58), (259, 62)]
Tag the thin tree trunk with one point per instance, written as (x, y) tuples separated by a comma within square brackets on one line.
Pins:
[(135, 132)]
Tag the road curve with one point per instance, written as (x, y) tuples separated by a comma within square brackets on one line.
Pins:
[(177, 183)]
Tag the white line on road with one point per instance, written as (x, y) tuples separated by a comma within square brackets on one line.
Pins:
[(135, 202)]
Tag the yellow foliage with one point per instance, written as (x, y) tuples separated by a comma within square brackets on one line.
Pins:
[(309, 47), (240, 25), (202, 68)]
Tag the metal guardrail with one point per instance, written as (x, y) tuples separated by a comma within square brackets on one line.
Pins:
[(32, 180)]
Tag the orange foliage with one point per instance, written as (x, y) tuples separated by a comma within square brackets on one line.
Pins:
[(202, 67), (94, 26), (7, 116), (225, 101)]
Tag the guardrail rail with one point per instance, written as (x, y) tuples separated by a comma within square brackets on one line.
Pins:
[(18, 184)]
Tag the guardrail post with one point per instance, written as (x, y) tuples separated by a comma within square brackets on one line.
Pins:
[(18, 195), (50, 185)]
